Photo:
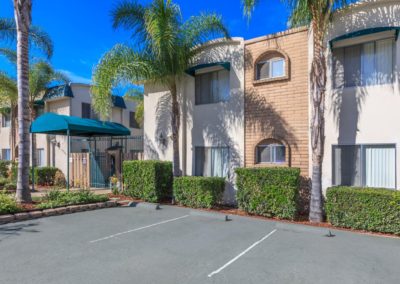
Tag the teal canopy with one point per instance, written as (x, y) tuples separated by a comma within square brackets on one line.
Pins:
[(56, 124), (192, 70)]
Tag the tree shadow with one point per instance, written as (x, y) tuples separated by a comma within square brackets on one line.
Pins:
[(9, 230)]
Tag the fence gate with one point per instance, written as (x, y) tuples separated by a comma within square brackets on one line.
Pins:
[(100, 170), (80, 170)]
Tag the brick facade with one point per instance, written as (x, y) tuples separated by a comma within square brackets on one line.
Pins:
[(277, 109)]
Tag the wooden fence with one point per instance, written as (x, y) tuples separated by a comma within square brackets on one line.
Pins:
[(80, 170)]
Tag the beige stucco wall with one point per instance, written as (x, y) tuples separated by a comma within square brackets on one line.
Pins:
[(363, 115), (219, 124)]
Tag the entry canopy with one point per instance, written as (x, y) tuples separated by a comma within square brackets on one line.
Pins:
[(223, 65), (56, 124)]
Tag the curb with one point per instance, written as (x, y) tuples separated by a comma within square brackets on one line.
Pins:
[(144, 205), (35, 214)]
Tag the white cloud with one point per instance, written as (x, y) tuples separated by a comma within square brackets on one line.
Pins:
[(75, 78)]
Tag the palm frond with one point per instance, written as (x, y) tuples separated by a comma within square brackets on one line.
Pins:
[(8, 90), (10, 54), (120, 64), (199, 29), (248, 7), (8, 30)]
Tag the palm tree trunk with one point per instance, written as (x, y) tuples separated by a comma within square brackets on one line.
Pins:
[(175, 125), (22, 12), (318, 83)]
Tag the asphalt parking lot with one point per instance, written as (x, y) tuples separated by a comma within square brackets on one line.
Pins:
[(178, 245)]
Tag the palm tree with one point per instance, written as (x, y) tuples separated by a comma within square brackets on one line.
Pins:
[(41, 76), (136, 96), (22, 13), (318, 14), (165, 48)]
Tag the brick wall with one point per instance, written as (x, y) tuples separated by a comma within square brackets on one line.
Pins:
[(278, 109)]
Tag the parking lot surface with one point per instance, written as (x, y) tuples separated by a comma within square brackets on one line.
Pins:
[(179, 245)]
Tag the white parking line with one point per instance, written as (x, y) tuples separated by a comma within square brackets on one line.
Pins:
[(239, 255), (138, 229)]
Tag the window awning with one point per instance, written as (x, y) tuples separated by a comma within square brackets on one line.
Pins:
[(394, 31), (224, 65), (56, 124)]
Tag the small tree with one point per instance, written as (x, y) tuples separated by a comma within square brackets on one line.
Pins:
[(318, 13), (166, 47)]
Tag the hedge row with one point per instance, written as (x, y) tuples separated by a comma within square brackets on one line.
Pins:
[(372, 209), (199, 192), (148, 180), (270, 192)]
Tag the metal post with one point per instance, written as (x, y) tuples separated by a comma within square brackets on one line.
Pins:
[(68, 150), (33, 166)]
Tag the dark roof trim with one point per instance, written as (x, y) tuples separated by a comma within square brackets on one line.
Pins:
[(192, 70), (60, 91), (365, 32), (118, 101)]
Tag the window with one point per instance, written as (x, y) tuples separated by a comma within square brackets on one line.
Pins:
[(40, 157), (6, 154), (212, 161), (132, 120), (271, 153), (88, 112), (364, 64), (6, 120), (212, 87), (271, 68), (364, 165)]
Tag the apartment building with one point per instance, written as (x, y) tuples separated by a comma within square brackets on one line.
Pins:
[(72, 99)]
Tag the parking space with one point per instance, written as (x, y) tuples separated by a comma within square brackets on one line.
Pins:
[(178, 245)]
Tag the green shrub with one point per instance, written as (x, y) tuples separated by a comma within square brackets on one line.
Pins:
[(56, 198), (199, 192), (372, 209), (45, 175), (268, 191), (14, 172), (10, 186), (8, 205), (3, 181), (148, 180), (4, 168)]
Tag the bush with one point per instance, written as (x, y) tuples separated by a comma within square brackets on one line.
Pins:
[(56, 198), (8, 205), (3, 181), (268, 191), (10, 186), (148, 180), (4, 168), (199, 192), (45, 175), (372, 209), (59, 179)]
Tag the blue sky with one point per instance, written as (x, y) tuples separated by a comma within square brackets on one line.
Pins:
[(81, 29)]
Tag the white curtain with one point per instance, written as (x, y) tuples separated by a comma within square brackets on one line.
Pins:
[(384, 61), (367, 64), (380, 167), (216, 162)]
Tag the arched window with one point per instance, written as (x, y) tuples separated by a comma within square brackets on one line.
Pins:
[(270, 151), (271, 65)]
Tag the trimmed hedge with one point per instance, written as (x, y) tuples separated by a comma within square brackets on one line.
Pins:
[(148, 180), (45, 175), (270, 192), (372, 209), (198, 192)]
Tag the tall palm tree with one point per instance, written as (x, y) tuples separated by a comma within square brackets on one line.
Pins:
[(165, 48), (136, 96), (23, 19), (41, 76), (318, 14)]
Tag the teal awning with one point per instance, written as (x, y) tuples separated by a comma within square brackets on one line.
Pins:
[(192, 70), (56, 124), (365, 32)]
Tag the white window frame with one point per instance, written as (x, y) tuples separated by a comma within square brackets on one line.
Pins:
[(270, 70), (272, 148)]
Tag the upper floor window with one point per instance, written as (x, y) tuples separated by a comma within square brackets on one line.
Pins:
[(132, 120), (271, 152), (6, 120), (88, 112), (212, 87), (369, 63), (40, 162), (271, 68)]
